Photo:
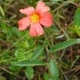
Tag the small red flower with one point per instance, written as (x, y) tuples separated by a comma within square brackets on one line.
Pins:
[(35, 18)]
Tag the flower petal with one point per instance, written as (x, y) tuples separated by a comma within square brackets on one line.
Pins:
[(46, 19), (36, 29), (24, 23), (27, 11), (41, 7)]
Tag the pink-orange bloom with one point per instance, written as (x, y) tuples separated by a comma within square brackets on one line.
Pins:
[(36, 18)]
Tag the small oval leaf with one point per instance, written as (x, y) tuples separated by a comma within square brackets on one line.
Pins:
[(53, 68), (29, 72)]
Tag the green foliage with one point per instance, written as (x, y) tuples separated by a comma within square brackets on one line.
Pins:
[(37, 52), (23, 56), (77, 18), (77, 21), (14, 69), (47, 77), (54, 28), (75, 26), (29, 72), (54, 70), (64, 45), (35, 62)]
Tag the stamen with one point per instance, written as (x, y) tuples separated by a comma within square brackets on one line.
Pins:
[(34, 17)]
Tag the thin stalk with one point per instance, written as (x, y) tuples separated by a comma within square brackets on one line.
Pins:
[(63, 4), (62, 30), (10, 72)]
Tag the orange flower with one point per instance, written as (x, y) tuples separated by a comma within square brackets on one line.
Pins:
[(35, 18)]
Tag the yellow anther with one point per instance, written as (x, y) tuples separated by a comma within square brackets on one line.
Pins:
[(34, 17)]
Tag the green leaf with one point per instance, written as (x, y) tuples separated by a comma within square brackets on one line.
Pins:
[(37, 52), (47, 77), (30, 63), (53, 68), (5, 28), (78, 41), (2, 12), (63, 45), (77, 17), (16, 32), (29, 72), (77, 29), (77, 21), (21, 56), (14, 69)]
